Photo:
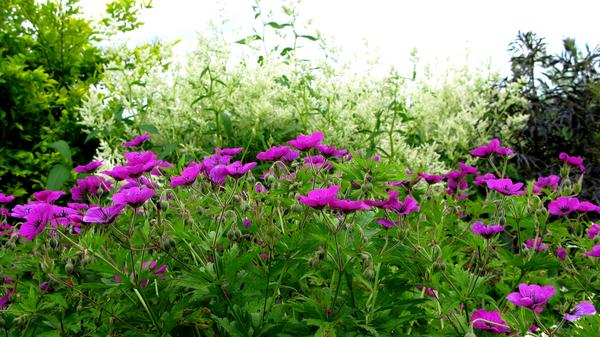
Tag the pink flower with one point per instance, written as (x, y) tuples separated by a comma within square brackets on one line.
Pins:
[(490, 321), (581, 309), (572, 160), (348, 205), (595, 252), (188, 175), (278, 153), (563, 205), (89, 167), (134, 196), (493, 147), (137, 141), (549, 181), (319, 198), (593, 231), (431, 178), (237, 169), (303, 142), (48, 196), (482, 180), (317, 161), (103, 214), (36, 220), (486, 231), (229, 151), (5, 199), (330, 151), (505, 186), (586, 206), (532, 296)]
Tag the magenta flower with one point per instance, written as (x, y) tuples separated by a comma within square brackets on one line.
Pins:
[(586, 206), (330, 151), (139, 182), (228, 151), (134, 196), (563, 205), (572, 160), (210, 162), (428, 291), (5, 299), (118, 172), (103, 214), (482, 180), (278, 153), (505, 186), (493, 147), (581, 309), (489, 321), (140, 158), (317, 161), (48, 195), (561, 253), (543, 182), (38, 217), (237, 169), (535, 244), (319, 198), (391, 203), (593, 231), (595, 252), (159, 167), (188, 175), (6, 229), (387, 223), (259, 188), (5, 199), (408, 206), (90, 185), (348, 205), (246, 222), (89, 167), (303, 142), (137, 141), (431, 178), (480, 228), (532, 296)]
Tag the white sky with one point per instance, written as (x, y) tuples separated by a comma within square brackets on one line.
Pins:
[(439, 29)]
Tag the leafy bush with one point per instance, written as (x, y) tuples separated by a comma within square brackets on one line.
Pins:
[(561, 92), (48, 60), (301, 245), (428, 120)]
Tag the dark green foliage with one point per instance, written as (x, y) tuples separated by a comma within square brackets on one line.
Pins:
[(562, 93)]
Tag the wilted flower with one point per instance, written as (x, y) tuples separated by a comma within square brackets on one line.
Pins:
[(535, 244), (387, 223), (486, 231), (303, 142), (572, 160), (319, 198), (134, 196), (490, 321), (563, 205), (493, 147), (103, 214), (282, 153), (505, 186), (595, 252), (561, 253), (89, 167), (532, 296), (581, 309), (593, 231), (137, 141)]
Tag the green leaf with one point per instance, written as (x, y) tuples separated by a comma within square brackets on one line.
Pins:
[(278, 25), (57, 177), (309, 37), (63, 148), (249, 39), (149, 128), (227, 125)]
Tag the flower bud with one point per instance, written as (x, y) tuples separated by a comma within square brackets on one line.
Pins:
[(162, 205), (54, 242), (69, 267), (47, 265), (439, 265), (85, 261), (502, 220), (367, 187), (369, 273), (234, 233), (314, 261), (244, 207), (296, 208)]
